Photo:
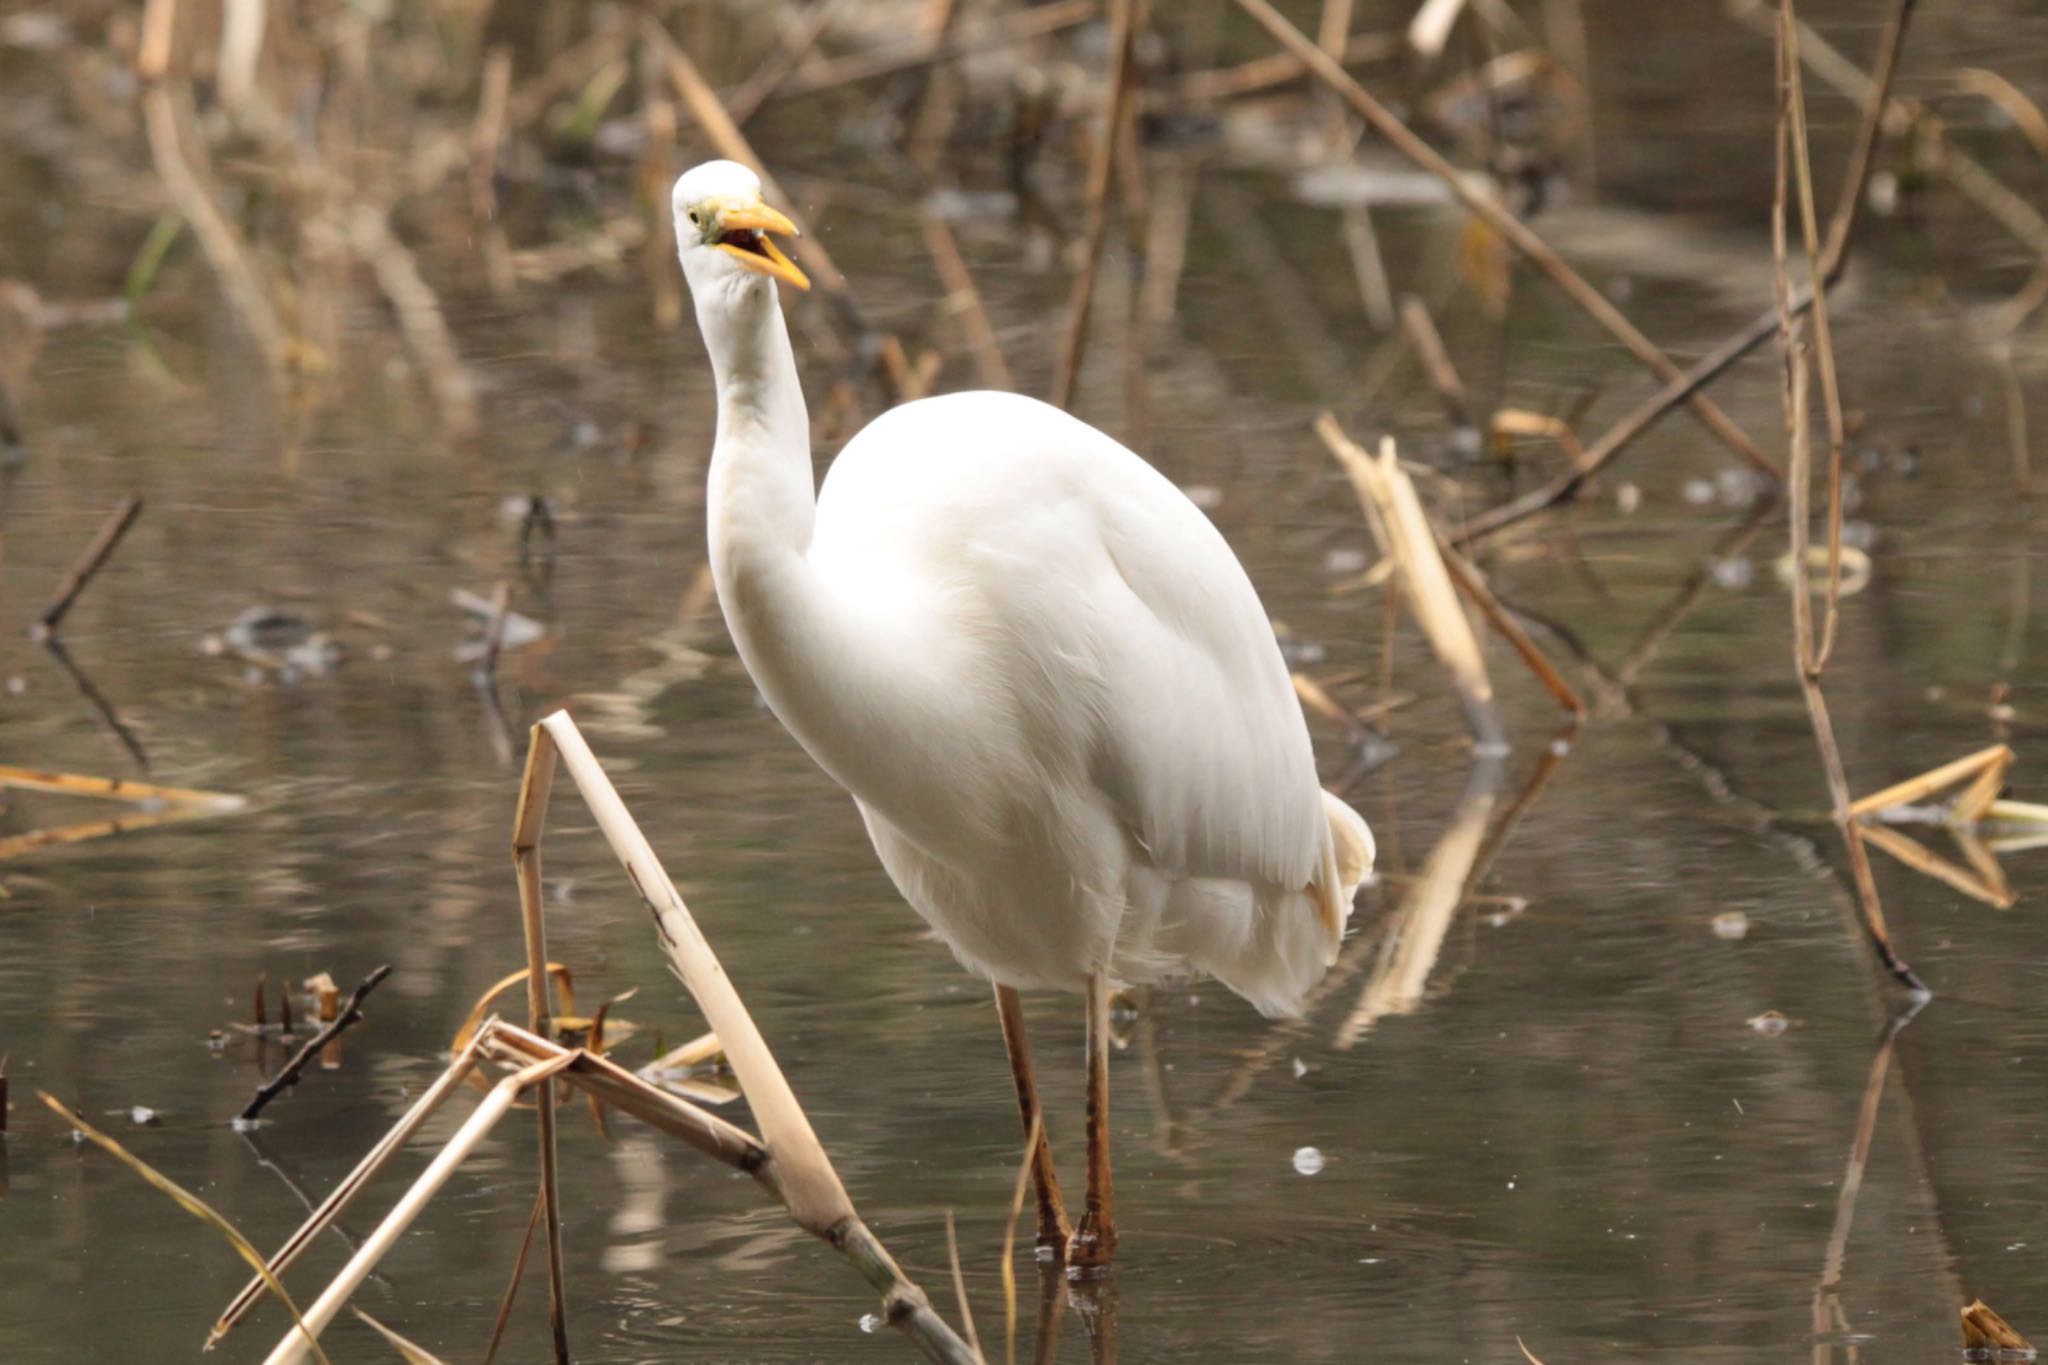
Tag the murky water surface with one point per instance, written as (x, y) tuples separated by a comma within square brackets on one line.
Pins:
[(1541, 1108)]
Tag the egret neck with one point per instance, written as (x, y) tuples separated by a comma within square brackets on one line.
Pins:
[(822, 658)]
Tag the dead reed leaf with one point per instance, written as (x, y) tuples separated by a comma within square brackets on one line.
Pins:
[(1995, 760), (483, 1004), (1983, 1329), (2024, 113), (407, 1351), (193, 1205), (1527, 1354)]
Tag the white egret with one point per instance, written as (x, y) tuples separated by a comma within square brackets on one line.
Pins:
[(1037, 667)]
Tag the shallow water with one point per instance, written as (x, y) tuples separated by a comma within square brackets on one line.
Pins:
[(1542, 1114)]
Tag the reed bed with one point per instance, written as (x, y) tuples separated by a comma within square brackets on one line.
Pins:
[(368, 198)]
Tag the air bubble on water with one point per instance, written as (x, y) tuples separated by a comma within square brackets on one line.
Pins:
[(870, 1323), (1307, 1161)]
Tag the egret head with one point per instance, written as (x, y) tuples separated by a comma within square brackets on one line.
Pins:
[(722, 228)]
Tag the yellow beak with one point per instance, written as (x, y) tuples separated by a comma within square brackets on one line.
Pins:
[(743, 234)]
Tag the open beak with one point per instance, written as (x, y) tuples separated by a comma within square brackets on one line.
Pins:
[(743, 233)]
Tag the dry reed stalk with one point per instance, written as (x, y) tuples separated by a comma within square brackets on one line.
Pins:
[(116, 789), (96, 555), (1985, 884), (1123, 31), (288, 1075), (1984, 1330), (1009, 1264), (963, 300), (1992, 761), (1405, 535), (796, 1166), (725, 136), (241, 47), (15, 845), (351, 1185), (999, 31), (960, 1289), (227, 255), (528, 817), (1512, 422), (1876, 100), (1517, 233), (1369, 267), (1823, 335), (696, 1052), (198, 1208), (1431, 27), (159, 31), (1469, 582), (1436, 361), (421, 320), (473, 1131), (1799, 429), (796, 46), (1276, 69)]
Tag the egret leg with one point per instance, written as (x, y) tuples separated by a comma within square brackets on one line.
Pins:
[(1053, 1228), (1094, 1241)]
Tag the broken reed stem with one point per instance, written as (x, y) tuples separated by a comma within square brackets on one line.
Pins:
[(227, 255), (1436, 361), (1405, 535), (535, 785), (1709, 367), (116, 789), (88, 566), (473, 1131), (373, 1161), (1517, 233), (780, 64), (1001, 31), (1122, 42), (288, 1075), (421, 320), (1823, 337), (964, 300), (794, 1163)]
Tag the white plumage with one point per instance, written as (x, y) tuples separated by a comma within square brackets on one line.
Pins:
[(1034, 663)]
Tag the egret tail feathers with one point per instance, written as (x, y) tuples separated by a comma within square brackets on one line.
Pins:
[(1348, 865)]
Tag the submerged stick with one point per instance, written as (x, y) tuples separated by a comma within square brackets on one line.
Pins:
[(1517, 233), (88, 566), (289, 1075)]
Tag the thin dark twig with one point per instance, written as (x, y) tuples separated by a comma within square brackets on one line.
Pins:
[(351, 1012), (1834, 258), (1517, 233), (89, 564)]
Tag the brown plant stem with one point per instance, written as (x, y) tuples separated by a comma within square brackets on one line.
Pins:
[(288, 1076)]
